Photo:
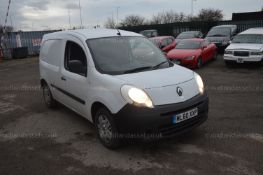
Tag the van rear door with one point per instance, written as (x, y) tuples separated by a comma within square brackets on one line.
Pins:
[(51, 56)]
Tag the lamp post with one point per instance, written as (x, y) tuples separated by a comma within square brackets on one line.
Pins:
[(117, 21), (192, 7), (69, 20), (80, 16)]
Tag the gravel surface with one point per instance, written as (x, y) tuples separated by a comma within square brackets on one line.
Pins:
[(36, 140)]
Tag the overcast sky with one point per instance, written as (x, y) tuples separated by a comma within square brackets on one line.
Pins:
[(53, 14)]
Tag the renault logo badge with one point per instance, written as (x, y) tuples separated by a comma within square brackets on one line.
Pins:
[(179, 91)]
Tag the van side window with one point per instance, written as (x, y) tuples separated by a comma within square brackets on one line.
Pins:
[(75, 59)]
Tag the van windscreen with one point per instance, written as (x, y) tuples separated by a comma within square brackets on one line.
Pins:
[(122, 54)]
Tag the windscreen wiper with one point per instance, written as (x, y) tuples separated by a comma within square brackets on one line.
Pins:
[(138, 69), (158, 65)]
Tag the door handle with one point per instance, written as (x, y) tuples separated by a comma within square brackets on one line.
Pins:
[(63, 79)]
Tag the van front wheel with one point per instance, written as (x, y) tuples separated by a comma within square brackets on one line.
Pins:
[(106, 129), (47, 96)]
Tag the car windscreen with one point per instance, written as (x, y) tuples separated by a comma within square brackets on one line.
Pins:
[(123, 54), (219, 32), (249, 38), (155, 41), (186, 35), (188, 44)]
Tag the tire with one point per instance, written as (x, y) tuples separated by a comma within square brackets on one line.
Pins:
[(47, 96), (106, 129), (199, 63)]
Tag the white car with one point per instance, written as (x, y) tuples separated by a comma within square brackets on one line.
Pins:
[(122, 83), (246, 47)]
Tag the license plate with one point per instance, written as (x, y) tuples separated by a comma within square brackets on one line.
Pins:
[(185, 116), (240, 60)]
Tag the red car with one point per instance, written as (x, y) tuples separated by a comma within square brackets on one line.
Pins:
[(193, 53), (165, 43)]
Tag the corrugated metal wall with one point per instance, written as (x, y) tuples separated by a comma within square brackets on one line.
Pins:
[(31, 40)]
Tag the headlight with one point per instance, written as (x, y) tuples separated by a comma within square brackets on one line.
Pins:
[(256, 53), (228, 52), (136, 96), (200, 83), (190, 58)]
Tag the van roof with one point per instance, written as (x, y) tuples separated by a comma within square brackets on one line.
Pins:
[(90, 33), (253, 31)]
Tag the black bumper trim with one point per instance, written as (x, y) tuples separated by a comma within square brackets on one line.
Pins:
[(69, 95), (136, 120)]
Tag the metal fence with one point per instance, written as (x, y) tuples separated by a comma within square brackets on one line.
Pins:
[(174, 29), (30, 40)]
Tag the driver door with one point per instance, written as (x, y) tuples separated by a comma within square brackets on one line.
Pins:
[(77, 86)]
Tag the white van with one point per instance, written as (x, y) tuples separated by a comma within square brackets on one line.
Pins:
[(122, 83), (245, 47)]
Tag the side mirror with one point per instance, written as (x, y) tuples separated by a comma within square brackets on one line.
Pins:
[(77, 66)]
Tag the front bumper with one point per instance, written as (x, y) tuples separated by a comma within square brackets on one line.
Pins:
[(245, 59), (158, 121)]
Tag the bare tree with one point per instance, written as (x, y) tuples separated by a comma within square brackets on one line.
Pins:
[(168, 17), (7, 29), (209, 15), (110, 23), (133, 20)]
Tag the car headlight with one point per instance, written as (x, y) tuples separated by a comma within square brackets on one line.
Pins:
[(136, 96), (200, 83), (256, 53), (228, 52), (190, 58)]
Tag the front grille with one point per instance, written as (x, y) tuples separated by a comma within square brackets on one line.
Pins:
[(183, 110), (241, 53)]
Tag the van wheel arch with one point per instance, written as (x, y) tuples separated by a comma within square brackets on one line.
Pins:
[(95, 107), (43, 82)]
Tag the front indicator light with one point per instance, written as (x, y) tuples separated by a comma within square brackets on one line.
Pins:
[(200, 83)]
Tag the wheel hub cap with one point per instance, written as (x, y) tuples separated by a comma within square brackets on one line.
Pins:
[(104, 127)]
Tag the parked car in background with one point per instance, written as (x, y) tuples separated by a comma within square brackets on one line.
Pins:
[(188, 35), (246, 47), (193, 53), (222, 35), (149, 33), (165, 43), (110, 80)]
